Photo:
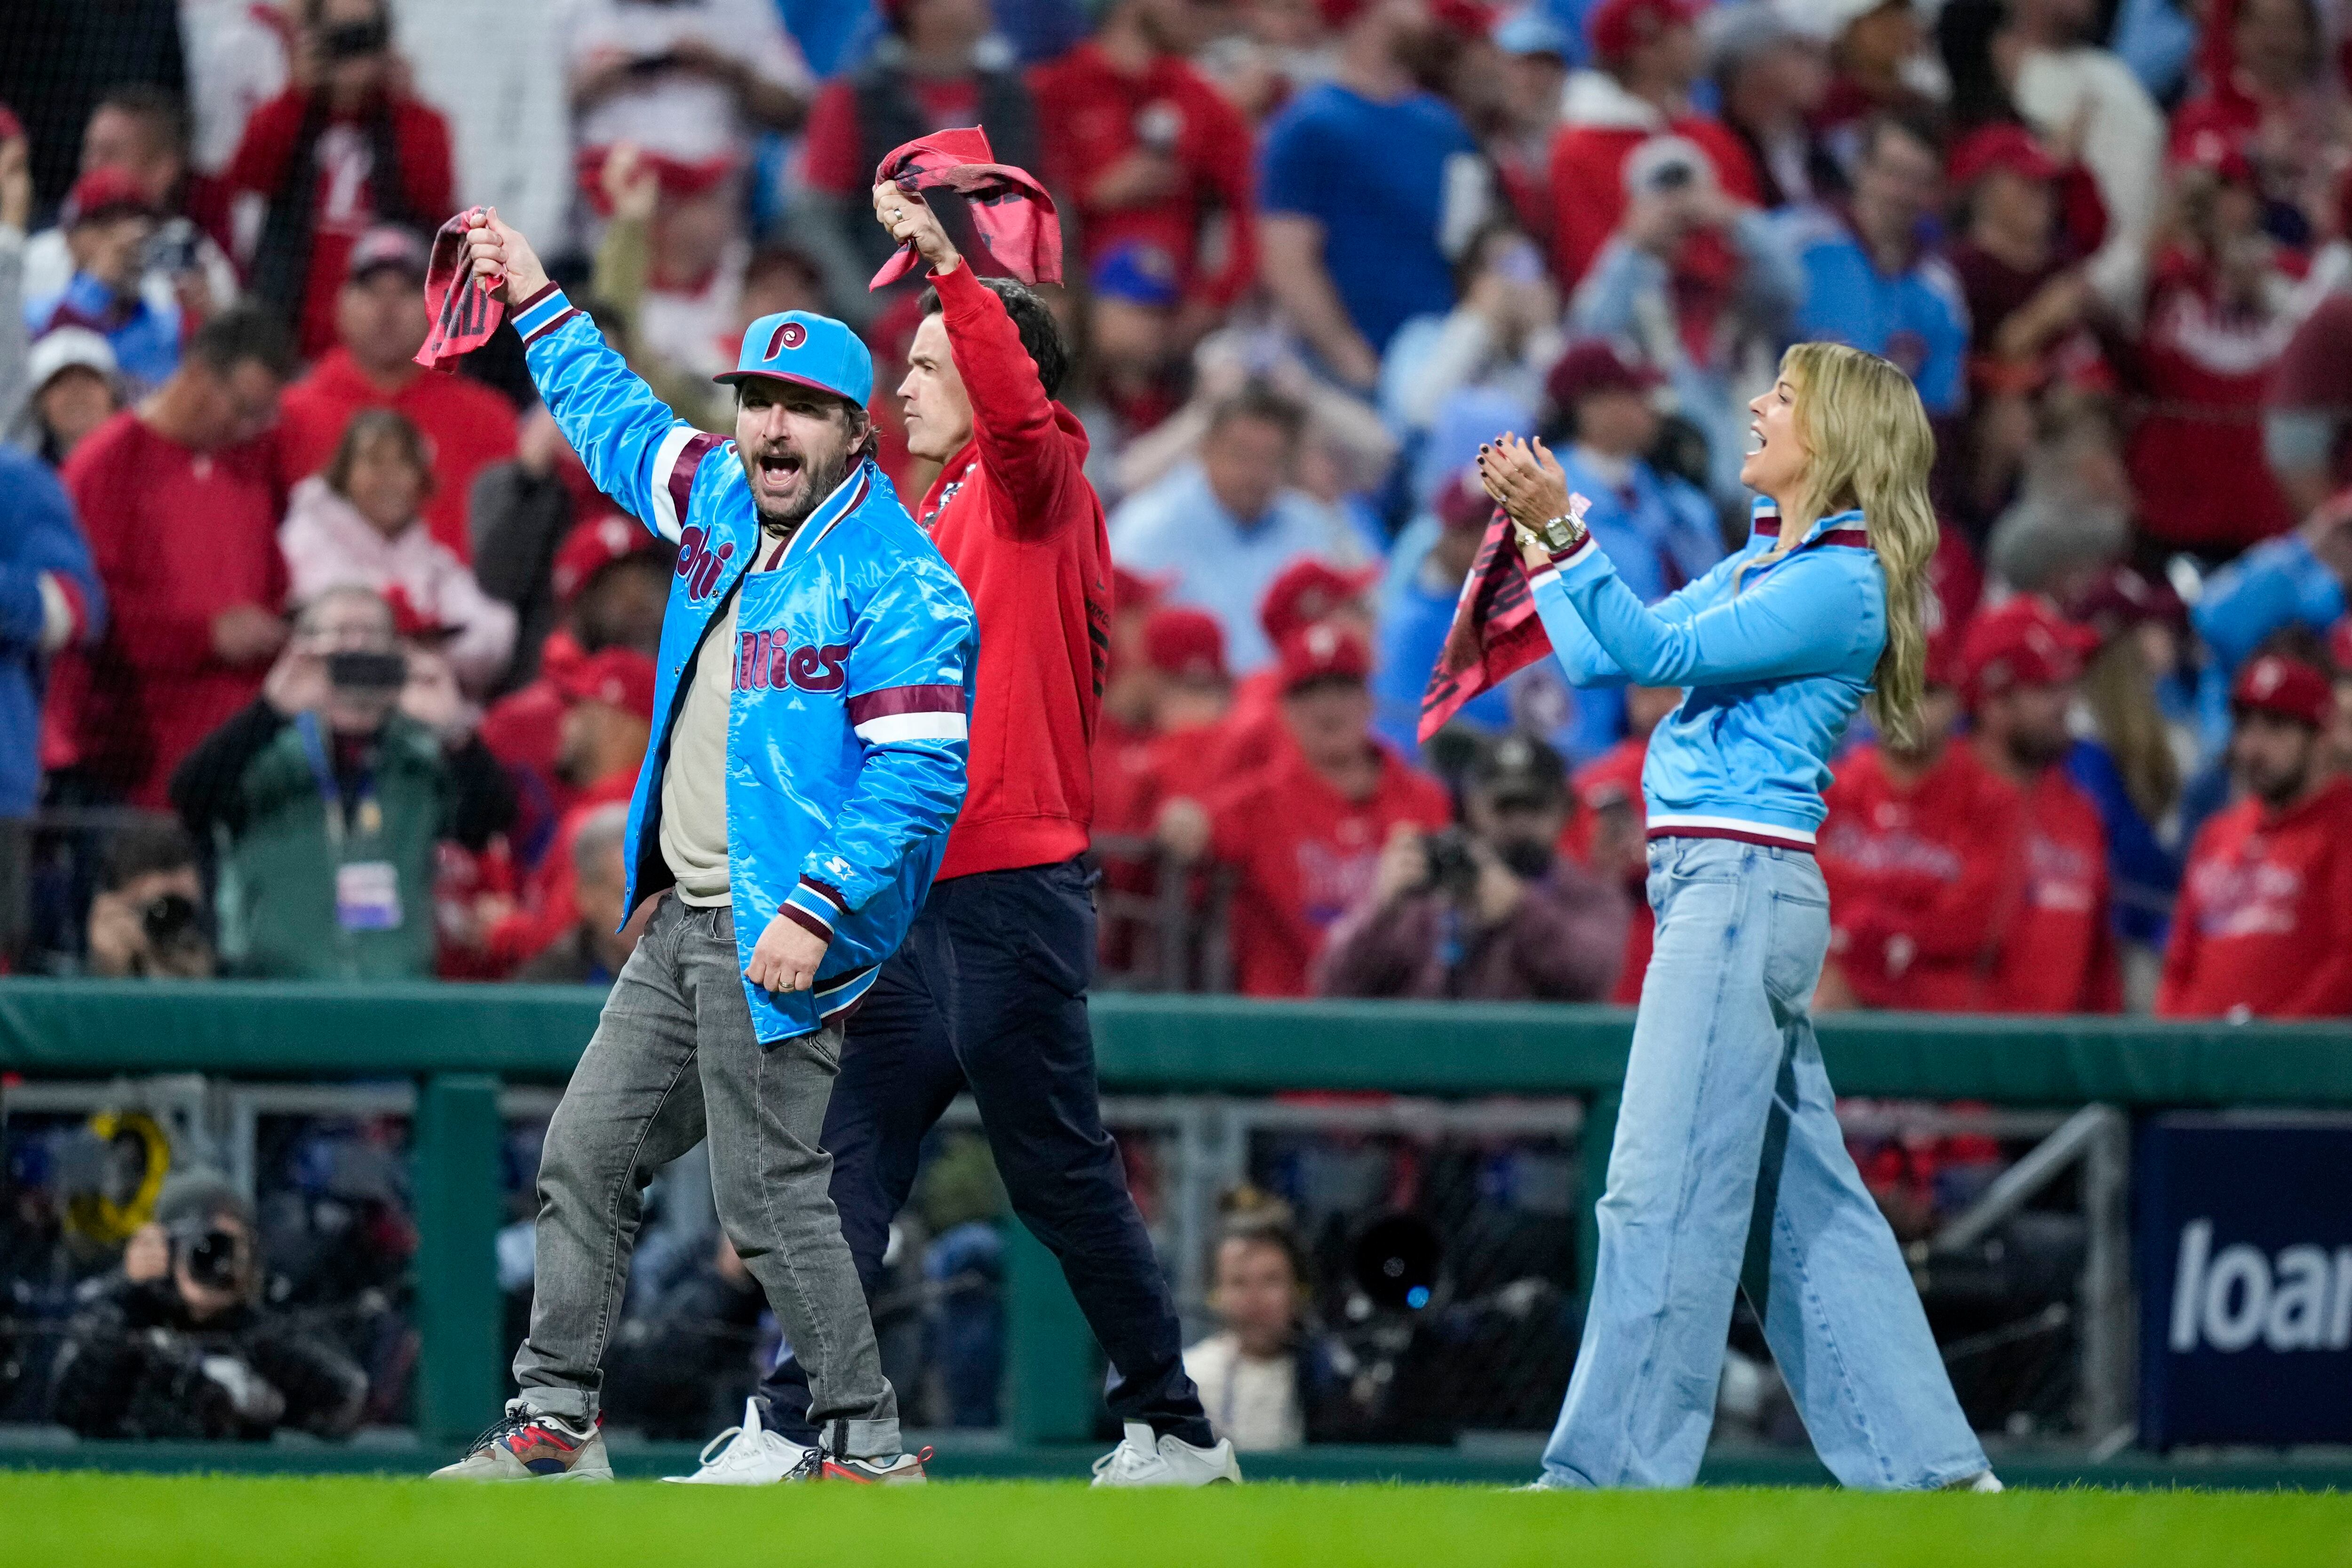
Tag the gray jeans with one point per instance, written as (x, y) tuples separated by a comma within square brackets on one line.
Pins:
[(674, 1051)]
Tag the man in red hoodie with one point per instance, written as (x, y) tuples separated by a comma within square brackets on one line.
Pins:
[(380, 323), (1649, 55), (2263, 928), (1923, 860), (2058, 953), (988, 992)]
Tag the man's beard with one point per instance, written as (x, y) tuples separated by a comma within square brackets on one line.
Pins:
[(819, 480)]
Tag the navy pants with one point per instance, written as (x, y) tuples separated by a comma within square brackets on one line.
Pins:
[(988, 993)]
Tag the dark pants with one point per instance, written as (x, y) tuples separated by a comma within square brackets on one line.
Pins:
[(987, 993)]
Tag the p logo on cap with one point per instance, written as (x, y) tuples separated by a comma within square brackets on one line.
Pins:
[(805, 350)]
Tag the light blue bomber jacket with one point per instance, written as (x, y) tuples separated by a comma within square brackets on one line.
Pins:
[(852, 680), (1774, 671)]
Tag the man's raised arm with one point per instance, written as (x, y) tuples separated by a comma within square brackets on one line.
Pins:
[(636, 450)]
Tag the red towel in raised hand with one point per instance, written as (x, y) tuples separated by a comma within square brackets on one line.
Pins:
[(464, 314), (1015, 217), (1495, 632)]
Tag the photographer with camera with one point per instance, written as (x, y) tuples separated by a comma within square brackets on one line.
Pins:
[(176, 1345), (326, 801), (147, 918), (1489, 909)]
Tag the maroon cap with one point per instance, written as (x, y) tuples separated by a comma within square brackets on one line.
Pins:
[(2287, 687), (106, 192), (2024, 642), (1593, 366), (1307, 591), (1464, 503), (2121, 598), (591, 546), (2340, 648), (1325, 653), (387, 244), (1186, 643), (1618, 28), (618, 677), (2010, 147)]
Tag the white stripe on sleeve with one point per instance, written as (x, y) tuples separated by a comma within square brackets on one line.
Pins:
[(892, 726), (666, 520)]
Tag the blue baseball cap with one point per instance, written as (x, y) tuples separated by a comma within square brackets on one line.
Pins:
[(1137, 273), (808, 350)]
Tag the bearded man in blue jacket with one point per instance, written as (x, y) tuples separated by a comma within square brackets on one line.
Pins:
[(814, 688)]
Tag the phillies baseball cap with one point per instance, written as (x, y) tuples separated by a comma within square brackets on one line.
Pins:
[(106, 192), (2010, 147), (387, 245), (1325, 653), (2287, 687), (1618, 28), (1307, 590), (1592, 367), (809, 351), (2024, 642), (1186, 643), (591, 546), (618, 677)]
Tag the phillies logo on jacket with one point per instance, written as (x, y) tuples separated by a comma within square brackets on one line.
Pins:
[(698, 566)]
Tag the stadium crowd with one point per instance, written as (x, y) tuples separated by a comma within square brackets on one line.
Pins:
[(371, 636)]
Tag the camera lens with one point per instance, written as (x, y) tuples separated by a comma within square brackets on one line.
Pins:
[(212, 1259), (168, 918)]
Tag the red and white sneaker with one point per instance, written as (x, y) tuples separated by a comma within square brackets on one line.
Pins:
[(899, 1469)]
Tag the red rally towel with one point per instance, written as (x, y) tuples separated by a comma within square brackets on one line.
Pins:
[(464, 313), (1014, 215), (1496, 632)]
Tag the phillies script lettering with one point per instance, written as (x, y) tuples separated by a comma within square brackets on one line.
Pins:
[(763, 659), (700, 566)]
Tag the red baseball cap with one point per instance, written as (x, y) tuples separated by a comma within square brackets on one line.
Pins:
[(1464, 503), (1184, 643), (1135, 590), (1325, 653), (106, 192), (2287, 687), (409, 622), (1307, 591), (591, 546), (2010, 147), (1618, 28), (2219, 154), (1594, 366), (2024, 642), (619, 678)]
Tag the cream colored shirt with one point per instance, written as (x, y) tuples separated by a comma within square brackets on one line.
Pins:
[(1255, 1402), (694, 784)]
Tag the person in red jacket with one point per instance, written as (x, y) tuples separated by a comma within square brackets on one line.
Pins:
[(2058, 952), (1302, 837), (987, 993), (1923, 852), (179, 498), (344, 148), (1306, 592), (1150, 151), (1649, 55), (380, 323), (2263, 928)]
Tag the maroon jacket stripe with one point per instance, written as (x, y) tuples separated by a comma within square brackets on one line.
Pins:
[(681, 474), (905, 699)]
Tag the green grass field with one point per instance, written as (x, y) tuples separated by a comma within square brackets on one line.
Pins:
[(143, 1521)]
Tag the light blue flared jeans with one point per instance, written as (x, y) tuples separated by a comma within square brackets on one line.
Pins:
[(1728, 1171)]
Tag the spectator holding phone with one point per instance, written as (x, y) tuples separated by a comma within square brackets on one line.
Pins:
[(328, 803), (343, 149)]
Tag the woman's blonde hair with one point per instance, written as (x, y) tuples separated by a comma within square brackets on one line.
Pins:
[(1871, 448)]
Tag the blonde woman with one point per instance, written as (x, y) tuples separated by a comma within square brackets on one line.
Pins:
[(1728, 1170)]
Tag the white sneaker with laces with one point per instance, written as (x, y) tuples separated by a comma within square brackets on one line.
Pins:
[(1143, 1460), (750, 1455)]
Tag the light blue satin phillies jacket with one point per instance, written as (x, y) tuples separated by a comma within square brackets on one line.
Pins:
[(846, 724), (1774, 672)]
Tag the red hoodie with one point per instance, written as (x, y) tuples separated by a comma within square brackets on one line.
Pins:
[(2264, 921), (1924, 882), (1015, 517), (466, 428), (1604, 124), (2059, 955)]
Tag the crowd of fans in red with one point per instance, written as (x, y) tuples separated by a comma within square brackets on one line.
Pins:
[(1316, 250)]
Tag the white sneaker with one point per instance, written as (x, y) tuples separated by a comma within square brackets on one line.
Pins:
[(1143, 1461), (1983, 1481), (750, 1455)]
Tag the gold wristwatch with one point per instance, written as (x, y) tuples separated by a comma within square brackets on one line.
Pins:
[(1564, 535)]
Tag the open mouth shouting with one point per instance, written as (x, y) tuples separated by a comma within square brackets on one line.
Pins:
[(779, 479)]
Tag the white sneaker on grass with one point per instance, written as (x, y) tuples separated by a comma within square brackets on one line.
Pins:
[(1144, 1460), (750, 1455)]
